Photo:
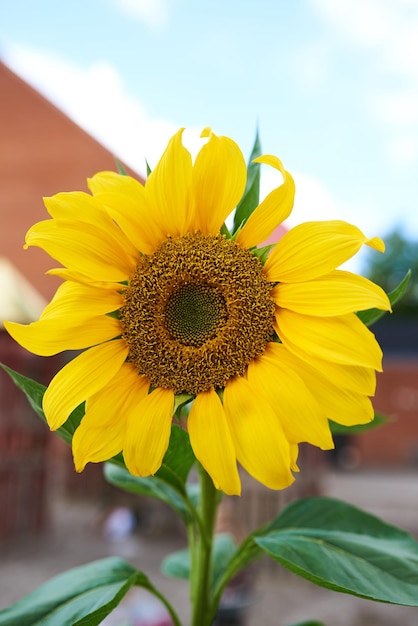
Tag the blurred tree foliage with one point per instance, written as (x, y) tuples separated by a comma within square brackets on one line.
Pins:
[(388, 269)]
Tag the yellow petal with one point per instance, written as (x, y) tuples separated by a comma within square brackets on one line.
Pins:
[(77, 206), (339, 404), (85, 249), (101, 433), (301, 416), (212, 442), (272, 211), (148, 432), (345, 407), (219, 176), (111, 182), (126, 202), (313, 249), (343, 339), (335, 293), (259, 440), (55, 334), (361, 380), (294, 453), (82, 377), (114, 184), (83, 279), (168, 188), (73, 298)]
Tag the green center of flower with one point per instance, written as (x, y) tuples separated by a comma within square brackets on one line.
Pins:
[(196, 312)]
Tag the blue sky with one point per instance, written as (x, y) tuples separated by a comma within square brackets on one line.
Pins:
[(332, 85)]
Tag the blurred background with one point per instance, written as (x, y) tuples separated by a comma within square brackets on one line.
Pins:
[(332, 87)]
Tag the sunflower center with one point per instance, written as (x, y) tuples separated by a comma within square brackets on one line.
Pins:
[(196, 312)]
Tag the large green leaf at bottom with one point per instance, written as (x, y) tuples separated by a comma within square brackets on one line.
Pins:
[(338, 546), (82, 596)]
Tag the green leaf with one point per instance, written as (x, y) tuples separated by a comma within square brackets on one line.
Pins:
[(244, 554), (225, 231), (177, 461), (83, 596), (193, 491), (121, 169), (167, 485), (250, 199), (224, 550), (151, 486), (262, 253), (338, 546), (34, 392), (177, 564), (339, 429), (371, 316)]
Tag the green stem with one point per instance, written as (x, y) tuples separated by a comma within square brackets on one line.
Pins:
[(201, 555)]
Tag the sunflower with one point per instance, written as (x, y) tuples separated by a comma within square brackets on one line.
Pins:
[(167, 307)]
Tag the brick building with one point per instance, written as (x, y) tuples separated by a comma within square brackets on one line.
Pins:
[(395, 444), (42, 152)]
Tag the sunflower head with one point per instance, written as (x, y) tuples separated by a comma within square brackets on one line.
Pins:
[(163, 301), (190, 318)]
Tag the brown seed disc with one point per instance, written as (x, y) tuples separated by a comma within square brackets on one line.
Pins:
[(196, 312)]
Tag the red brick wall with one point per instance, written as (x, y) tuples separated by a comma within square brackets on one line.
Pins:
[(394, 444), (42, 152)]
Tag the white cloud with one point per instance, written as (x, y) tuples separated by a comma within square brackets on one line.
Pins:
[(388, 31), (402, 150), (98, 101), (388, 25), (309, 65), (398, 108), (367, 22), (314, 201), (154, 13)]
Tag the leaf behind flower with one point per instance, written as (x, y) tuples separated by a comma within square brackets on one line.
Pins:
[(177, 461), (340, 429), (371, 316), (250, 199), (34, 392)]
